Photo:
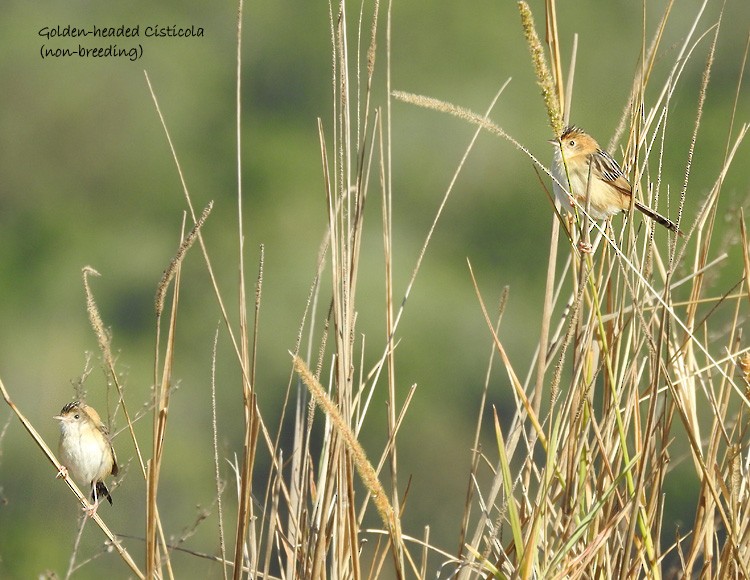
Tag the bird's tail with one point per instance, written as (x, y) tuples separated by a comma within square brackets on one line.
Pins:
[(101, 490), (658, 218)]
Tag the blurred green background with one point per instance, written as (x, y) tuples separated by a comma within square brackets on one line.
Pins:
[(86, 178)]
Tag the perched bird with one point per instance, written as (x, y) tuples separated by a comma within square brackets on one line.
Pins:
[(85, 450), (609, 191)]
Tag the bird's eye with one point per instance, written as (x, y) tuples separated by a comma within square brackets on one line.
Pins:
[(76, 416), (572, 143)]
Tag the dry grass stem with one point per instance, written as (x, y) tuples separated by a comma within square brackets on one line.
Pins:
[(169, 273), (551, 97), (364, 467)]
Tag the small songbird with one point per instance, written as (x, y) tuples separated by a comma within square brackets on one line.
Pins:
[(86, 450), (609, 191)]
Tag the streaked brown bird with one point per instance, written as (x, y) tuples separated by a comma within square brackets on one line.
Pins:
[(609, 191), (86, 450)]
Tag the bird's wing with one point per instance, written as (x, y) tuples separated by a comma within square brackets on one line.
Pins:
[(105, 431), (115, 469), (611, 172)]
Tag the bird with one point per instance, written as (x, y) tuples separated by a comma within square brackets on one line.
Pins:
[(609, 191), (86, 450)]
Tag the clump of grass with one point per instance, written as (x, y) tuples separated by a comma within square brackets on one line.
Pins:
[(594, 467)]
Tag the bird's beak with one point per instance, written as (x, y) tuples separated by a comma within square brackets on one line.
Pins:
[(553, 141)]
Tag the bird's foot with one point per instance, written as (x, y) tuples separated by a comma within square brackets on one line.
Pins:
[(584, 247), (90, 510)]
